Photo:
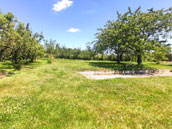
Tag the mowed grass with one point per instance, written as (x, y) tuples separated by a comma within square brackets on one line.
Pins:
[(50, 96)]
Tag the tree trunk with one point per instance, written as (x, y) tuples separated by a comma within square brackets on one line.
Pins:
[(121, 57), (32, 60), (14, 58), (139, 59), (16, 61), (118, 59), (102, 56), (1, 53)]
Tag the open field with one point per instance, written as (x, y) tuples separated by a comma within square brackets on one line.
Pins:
[(54, 95)]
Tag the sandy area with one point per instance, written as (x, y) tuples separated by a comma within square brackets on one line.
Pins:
[(99, 75)]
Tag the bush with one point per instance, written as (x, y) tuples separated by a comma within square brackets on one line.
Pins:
[(50, 59), (18, 66)]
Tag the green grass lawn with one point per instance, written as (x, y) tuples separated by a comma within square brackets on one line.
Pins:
[(50, 96)]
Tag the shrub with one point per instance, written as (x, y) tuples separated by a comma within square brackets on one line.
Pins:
[(50, 59), (18, 66)]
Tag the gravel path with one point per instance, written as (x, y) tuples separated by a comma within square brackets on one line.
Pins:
[(100, 75)]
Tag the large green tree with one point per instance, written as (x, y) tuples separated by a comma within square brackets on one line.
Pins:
[(17, 41), (7, 33), (135, 32), (147, 29)]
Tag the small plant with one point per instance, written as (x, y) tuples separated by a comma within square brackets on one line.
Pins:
[(10, 73), (18, 66), (50, 59)]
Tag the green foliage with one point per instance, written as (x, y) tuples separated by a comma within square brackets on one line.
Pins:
[(58, 51), (169, 56), (160, 54), (50, 59), (17, 41), (135, 33), (17, 66)]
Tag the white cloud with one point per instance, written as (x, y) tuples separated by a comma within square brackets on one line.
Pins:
[(73, 30), (61, 5)]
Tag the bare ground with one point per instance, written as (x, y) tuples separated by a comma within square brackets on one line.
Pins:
[(2, 74), (100, 75)]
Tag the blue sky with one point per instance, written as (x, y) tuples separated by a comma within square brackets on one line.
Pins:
[(73, 23)]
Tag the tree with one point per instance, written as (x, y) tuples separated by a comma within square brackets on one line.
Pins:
[(50, 46), (113, 37), (145, 30), (135, 32), (7, 33), (17, 42), (161, 51)]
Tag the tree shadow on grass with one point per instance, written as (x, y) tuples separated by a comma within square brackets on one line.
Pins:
[(167, 65), (119, 67), (6, 69), (6, 65), (170, 65)]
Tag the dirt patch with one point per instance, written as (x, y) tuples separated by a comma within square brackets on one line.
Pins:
[(3, 74), (99, 75)]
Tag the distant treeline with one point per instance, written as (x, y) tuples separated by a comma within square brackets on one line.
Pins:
[(90, 53), (59, 51)]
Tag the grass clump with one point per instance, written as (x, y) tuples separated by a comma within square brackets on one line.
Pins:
[(50, 59), (17, 66)]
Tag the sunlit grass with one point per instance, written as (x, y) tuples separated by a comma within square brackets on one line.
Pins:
[(54, 95)]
